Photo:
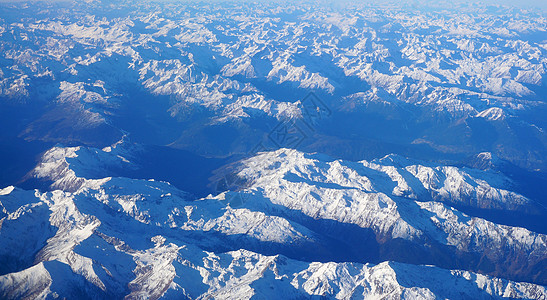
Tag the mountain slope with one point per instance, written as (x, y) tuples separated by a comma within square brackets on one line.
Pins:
[(284, 226), (88, 257)]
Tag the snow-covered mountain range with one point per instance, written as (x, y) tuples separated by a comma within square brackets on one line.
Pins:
[(453, 82), (303, 224), (237, 150)]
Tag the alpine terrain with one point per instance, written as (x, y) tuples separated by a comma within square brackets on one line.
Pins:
[(272, 150)]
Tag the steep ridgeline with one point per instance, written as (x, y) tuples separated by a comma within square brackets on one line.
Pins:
[(298, 224), (394, 209)]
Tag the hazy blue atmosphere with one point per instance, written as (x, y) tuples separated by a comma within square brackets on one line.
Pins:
[(273, 149)]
